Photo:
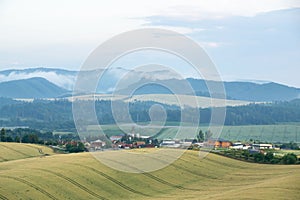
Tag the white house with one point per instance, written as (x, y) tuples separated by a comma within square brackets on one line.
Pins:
[(170, 143), (236, 145), (262, 146), (240, 146)]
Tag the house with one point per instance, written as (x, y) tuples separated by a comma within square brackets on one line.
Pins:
[(115, 138), (236, 145), (170, 143), (240, 146), (199, 144), (262, 146), (87, 145), (123, 145), (253, 151), (139, 143), (219, 143), (185, 144), (97, 144), (144, 136), (246, 146)]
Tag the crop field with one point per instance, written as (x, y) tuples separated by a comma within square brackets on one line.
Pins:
[(169, 99), (15, 151), (81, 176)]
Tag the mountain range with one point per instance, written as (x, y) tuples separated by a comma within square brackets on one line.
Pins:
[(54, 83), (246, 91)]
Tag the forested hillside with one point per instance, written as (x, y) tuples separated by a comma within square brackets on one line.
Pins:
[(57, 115)]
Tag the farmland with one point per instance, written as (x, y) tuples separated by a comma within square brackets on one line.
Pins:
[(15, 151), (283, 133), (169, 99), (81, 176), (268, 133)]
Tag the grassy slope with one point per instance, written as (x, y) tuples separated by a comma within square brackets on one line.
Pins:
[(80, 176), (269, 133), (15, 151)]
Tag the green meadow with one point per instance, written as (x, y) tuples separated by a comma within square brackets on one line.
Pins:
[(279, 133)]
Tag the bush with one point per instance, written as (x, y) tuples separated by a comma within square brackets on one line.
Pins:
[(269, 156), (75, 148), (289, 159), (275, 161), (258, 157)]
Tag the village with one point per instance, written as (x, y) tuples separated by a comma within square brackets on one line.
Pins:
[(132, 140), (253, 151)]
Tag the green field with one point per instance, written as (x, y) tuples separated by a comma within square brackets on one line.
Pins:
[(264, 133), (283, 133), (81, 176), (268, 133)]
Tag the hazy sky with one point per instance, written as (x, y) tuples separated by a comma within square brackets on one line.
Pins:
[(247, 39)]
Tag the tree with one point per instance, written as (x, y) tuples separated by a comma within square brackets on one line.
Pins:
[(30, 138), (200, 136), (155, 142), (80, 147), (208, 134), (289, 159), (75, 147), (246, 154), (290, 145), (258, 157), (269, 156), (9, 139), (17, 139), (2, 137)]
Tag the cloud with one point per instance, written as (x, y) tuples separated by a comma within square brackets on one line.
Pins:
[(35, 23), (64, 81), (109, 80), (262, 36), (264, 46), (211, 44)]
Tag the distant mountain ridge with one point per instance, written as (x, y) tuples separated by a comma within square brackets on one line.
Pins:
[(246, 91), (61, 81), (31, 88), (252, 91)]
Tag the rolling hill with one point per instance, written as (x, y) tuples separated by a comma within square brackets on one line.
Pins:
[(31, 88), (81, 176), (16, 151)]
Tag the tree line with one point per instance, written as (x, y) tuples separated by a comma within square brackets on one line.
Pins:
[(268, 157), (28, 135)]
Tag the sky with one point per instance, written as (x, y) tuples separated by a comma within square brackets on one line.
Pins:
[(246, 39)]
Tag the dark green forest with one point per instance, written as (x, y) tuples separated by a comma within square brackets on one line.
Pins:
[(57, 115)]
